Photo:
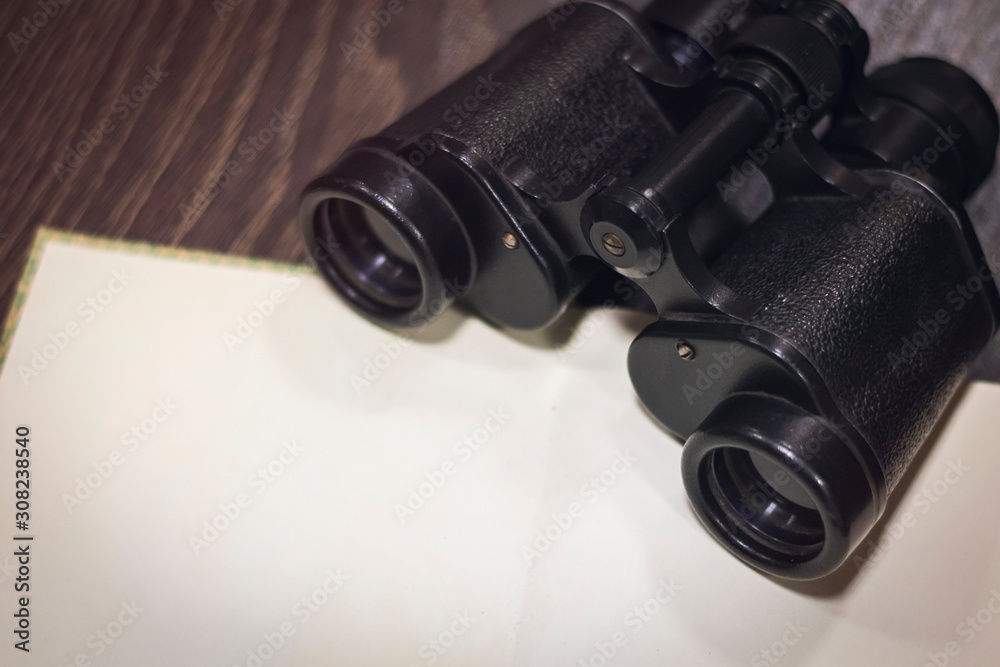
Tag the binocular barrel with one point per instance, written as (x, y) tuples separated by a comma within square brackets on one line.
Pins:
[(797, 226)]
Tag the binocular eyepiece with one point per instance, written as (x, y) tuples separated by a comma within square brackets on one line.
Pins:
[(796, 225), (388, 246)]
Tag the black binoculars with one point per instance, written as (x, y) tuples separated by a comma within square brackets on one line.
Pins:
[(797, 227)]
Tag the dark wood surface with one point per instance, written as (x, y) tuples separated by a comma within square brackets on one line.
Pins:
[(230, 68)]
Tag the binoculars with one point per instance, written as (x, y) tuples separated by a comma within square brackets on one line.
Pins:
[(797, 227)]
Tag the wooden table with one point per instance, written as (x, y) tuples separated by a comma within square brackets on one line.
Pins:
[(124, 119)]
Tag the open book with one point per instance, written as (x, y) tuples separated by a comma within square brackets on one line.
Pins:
[(226, 466)]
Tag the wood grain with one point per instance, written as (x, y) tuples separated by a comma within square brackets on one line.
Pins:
[(231, 68)]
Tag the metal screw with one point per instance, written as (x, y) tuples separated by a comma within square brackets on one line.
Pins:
[(685, 351), (510, 240), (613, 244)]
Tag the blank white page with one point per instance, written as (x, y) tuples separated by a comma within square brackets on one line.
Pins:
[(229, 467)]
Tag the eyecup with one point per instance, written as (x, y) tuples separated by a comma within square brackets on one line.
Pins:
[(384, 183), (952, 98), (812, 453)]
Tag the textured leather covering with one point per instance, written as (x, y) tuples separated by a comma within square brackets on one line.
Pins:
[(863, 297), (562, 104)]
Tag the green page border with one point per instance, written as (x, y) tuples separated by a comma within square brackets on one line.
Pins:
[(44, 235)]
